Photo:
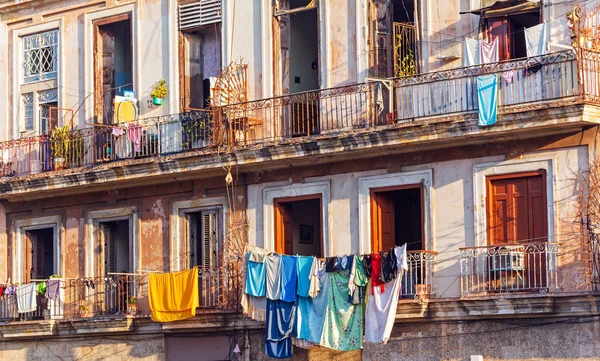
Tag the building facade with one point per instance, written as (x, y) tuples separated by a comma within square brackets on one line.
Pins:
[(324, 127)]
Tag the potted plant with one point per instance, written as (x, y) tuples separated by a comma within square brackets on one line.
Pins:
[(84, 311), (132, 305), (68, 146), (159, 91)]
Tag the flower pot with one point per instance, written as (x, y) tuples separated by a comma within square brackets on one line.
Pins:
[(157, 101), (60, 163)]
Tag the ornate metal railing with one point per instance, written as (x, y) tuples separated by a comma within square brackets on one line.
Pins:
[(333, 110), (45, 308), (416, 282), (526, 267), (527, 81)]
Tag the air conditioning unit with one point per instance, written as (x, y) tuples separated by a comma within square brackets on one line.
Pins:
[(508, 259)]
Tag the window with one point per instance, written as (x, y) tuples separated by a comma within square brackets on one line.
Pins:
[(510, 32), (517, 208), (204, 238), (40, 56), (40, 247), (298, 225), (397, 218), (28, 117)]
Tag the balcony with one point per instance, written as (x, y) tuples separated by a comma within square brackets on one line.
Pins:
[(113, 299), (346, 116), (416, 281), (509, 268)]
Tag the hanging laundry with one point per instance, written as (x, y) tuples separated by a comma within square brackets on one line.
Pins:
[(314, 310), (489, 52), (303, 274), (532, 69), (376, 272), (315, 284), (343, 263), (173, 296), (255, 278), (273, 263), (26, 300), (382, 305), (134, 135), (508, 76), (1, 290), (117, 131), (9, 290), (259, 254), (288, 278), (330, 264), (358, 280), (279, 328), (387, 268), (52, 289), (343, 329), (392, 255), (487, 93), (368, 264), (472, 50), (535, 40)]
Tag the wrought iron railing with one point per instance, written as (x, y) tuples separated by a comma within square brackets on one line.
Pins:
[(46, 308), (526, 267), (521, 82), (405, 49), (416, 281)]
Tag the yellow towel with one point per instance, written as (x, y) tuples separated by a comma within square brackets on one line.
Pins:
[(173, 296)]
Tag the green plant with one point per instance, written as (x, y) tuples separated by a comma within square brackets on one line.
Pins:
[(131, 300), (159, 90), (404, 66), (83, 309), (67, 143)]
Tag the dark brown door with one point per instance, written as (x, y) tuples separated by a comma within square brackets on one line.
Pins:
[(284, 237), (500, 29), (383, 221), (517, 214)]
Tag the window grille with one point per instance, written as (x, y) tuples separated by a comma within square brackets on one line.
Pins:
[(40, 54)]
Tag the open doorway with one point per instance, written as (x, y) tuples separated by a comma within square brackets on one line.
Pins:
[(40, 247), (299, 225), (397, 218), (200, 63), (404, 38), (116, 285), (304, 46), (113, 64)]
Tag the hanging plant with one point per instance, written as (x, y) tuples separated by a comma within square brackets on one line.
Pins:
[(159, 91)]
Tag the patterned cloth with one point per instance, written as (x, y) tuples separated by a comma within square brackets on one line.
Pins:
[(343, 327)]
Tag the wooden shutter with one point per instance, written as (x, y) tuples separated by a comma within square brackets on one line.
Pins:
[(199, 13), (38, 258), (517, 210), (383, 222), (500, 29), (193, 254), (284, 237), (209, 238), (110, 254)]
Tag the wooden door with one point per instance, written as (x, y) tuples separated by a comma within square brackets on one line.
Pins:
[(500, 29), (284, 236), (382, 221), (517, 214)]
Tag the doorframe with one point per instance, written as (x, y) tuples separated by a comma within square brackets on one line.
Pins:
[(20, 228), (480, 198), (390, 180), (373, 191), (93, 258), (277, 224)]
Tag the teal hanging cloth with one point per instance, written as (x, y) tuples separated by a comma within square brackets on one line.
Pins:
[(487, 93), (343, 329)]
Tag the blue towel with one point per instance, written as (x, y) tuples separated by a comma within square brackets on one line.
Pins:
[(303, 267), (279, 349), (288, 278), (315, 313), (281, 317), (255, 278), (487, 93), (344, 263)]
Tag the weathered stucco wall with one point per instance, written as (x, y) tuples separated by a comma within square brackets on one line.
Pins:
[(113, 348)]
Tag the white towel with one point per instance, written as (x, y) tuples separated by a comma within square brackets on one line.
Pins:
[(535, 40), (489, 52), (472, 50), (273, 263), (26, 301)]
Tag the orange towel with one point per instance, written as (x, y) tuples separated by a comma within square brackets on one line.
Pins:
[(173, 296)]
